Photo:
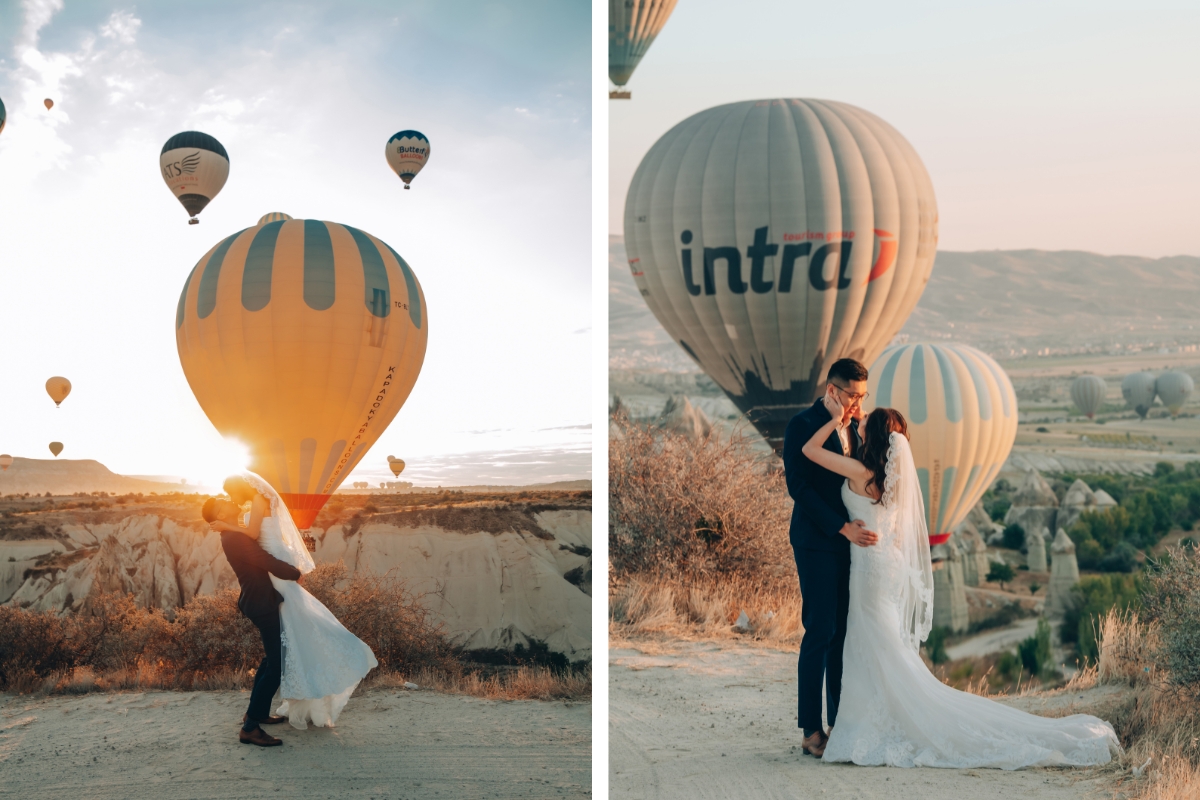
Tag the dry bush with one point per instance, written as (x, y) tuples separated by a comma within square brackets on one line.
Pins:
[(212, 635), (1172, 600), (683, 507), (705, 607), (32, 646), (521, 683)]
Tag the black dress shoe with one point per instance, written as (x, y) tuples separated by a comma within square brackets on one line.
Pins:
[(268, 721), (259, 737)]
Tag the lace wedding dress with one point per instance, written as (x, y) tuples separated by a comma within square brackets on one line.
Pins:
[(893, 711), (322, 661)]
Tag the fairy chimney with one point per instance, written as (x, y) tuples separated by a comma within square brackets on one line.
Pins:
[(1035, 545), (1078, 499), (1064, 575), (950, 608), (1034, 506), (681, 417)]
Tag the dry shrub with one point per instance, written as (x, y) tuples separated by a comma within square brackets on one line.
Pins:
[(1172, 600), (32, 646), (521, 683), (679, 506), (705, 608), (211, 635)]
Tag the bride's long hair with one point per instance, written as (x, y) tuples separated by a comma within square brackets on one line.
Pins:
[(881, 423)]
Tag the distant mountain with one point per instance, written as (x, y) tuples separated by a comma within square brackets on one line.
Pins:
[(1001, 301), (67, 476)]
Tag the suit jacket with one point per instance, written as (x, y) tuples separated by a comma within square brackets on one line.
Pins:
[(254, 567), (818, 514)]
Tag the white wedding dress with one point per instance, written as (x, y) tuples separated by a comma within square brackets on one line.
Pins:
[(893, 711), (322, 661)]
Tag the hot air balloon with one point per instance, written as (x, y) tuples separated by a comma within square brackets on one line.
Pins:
[(302, 339), (1138, 391), (3, 116), (56, 448), (195, 167), (773, 237), (1087, 393), (962, 422), (396, 465), (407, 153), (58, 388), (1174, 388), (274, 216), (48, 103), (632, 28), (5, 461)]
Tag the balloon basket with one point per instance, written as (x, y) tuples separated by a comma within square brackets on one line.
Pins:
[(309, 543), (193, 221), (620, 95), (407, 187)]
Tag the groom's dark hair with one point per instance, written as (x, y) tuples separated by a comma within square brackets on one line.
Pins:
[(846, 370), (209, 509)]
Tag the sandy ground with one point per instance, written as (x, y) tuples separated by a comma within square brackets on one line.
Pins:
[(388, 744), (707, 720)]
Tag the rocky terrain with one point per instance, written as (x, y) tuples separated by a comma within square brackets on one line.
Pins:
[(498, 569), (70, 476)]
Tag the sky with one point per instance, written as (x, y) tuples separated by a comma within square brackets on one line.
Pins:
[(1047, 125), (94, 249)]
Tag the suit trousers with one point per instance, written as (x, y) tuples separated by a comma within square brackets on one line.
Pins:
[(825, 594), (270, 671)]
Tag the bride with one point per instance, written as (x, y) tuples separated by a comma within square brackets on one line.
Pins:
[(322, 661), (893, 711)]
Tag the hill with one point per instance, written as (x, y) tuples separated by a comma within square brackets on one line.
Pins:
[(75, 476)]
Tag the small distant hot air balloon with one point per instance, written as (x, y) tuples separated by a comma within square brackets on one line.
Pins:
[(772, 237), (56, 448), (1087, 393), (1138, 391), (5, 461), (407, 153), (962, 421), (323, 328), (632, 28), (58, 388), (195, 167), (48, 103), (396, 465), (1174, 388), (3, 116), (274, 216)]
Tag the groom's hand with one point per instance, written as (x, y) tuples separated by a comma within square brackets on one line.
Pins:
[(859, 535)]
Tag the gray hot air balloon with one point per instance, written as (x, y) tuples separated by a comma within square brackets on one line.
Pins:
[(632, 27), (1087, 393), (1138, 391), (1174, 388), (773, 237)]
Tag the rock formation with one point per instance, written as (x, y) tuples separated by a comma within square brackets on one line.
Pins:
[(1035, 549), (1034, 506), (1064, 575), (950, 608), (1078, 499), (681, 417), (973, 550), (1104, 500)]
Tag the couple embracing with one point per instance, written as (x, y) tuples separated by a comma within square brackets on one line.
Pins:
[(310, 657), (861, 543)]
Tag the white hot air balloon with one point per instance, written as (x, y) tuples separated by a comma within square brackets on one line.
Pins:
[(1138, 391), (632, 27), (407, 153), (1087, 393), (773, 237), (1174, 388), (195, 166)]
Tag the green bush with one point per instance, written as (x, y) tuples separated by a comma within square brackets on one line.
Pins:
[(1014, 537), (1122, 558), (1035, 653), (1093, 598), (1172, 598), (935, 645), (1000, 572), (1008, 666)]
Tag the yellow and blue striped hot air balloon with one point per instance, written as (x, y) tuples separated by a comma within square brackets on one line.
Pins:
[(962, 421), (302, 339), (407, 154), (195, 167), (274, 216), (3, 116)]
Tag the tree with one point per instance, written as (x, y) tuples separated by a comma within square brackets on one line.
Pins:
[(1000, 572), (1014, 537)]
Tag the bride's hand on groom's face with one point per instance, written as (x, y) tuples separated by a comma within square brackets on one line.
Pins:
[(858, 534)]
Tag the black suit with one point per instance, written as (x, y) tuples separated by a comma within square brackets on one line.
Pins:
[(260, 602), (822, 562)]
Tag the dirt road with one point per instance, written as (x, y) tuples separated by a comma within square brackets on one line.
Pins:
[(388, 744), (702, 720)]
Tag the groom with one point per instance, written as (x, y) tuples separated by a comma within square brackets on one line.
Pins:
[(260, 603), (821, 534)]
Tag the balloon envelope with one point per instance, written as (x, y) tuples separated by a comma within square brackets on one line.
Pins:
[(274, 216), (773, 237), (396, 465), (962, 421), (195, 166), (58, 388), (48, 103), (407, 153), (302, 339), (56, 448), (1087, 393), (1174, 388), (1138, 391), (5, 461), (3, 116), (632, 28)]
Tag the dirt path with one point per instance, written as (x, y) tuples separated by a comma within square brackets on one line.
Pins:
[(388, 744), (994, 641), (706, 720)]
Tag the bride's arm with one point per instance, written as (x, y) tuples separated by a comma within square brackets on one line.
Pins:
[(258, 509), (814, 450)]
